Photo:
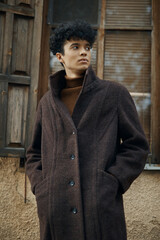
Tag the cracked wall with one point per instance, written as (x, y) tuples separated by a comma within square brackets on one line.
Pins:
[(18, 220)]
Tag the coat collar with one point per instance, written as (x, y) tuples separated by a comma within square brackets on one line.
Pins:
[(57, 81)]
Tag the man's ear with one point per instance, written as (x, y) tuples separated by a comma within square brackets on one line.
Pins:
[(59, 57)]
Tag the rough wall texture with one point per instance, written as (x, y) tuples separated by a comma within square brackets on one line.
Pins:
[(142, 207), (18, 220)]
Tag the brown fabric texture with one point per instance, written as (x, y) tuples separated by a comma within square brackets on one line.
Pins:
[(78, 167), (70, 93)]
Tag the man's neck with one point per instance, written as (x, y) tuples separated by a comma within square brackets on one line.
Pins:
[(73, 75)]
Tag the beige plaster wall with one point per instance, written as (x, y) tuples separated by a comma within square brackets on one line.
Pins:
[(18, 220), (142, 207)]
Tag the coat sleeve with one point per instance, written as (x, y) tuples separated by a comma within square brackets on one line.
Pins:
[(33, 154), (133, 149)]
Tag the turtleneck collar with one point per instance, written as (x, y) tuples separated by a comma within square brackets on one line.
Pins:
[(58, 81), (73, 82)]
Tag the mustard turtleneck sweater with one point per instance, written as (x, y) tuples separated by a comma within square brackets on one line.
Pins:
[(71, 92)]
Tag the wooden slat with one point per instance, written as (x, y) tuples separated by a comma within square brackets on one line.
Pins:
[(3, 111), (2, 26), (24, 116), (156, 82), (16, 117), (100, 44), (24, 80), (22, 40), (35, 63), (8, 34), (12, 152), (24, 2), (17, 10), (45, 51), (128, 59), (128, 13), (119, 27)]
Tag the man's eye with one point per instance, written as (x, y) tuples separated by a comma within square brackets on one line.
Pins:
[(75, 47), (88, 48)]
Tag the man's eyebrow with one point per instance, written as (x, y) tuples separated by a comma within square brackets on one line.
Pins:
[(74, 44)]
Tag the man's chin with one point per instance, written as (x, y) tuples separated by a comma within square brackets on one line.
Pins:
[(82, 71), (84, 68)]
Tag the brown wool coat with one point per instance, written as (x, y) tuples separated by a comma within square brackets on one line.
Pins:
[(78, 167)]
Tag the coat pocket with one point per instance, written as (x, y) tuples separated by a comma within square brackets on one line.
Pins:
[(42, 196), (41, 187), (107, 186), (110, 207)]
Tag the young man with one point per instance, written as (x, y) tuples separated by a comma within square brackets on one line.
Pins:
[(88, 146)]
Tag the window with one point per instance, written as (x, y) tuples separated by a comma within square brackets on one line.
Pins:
[(125, 52), (127, 57), (64, 11)]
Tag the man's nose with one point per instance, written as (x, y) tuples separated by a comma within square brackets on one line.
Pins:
[(83, 52)]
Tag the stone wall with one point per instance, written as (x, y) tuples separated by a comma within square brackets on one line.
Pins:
[(18, 219)]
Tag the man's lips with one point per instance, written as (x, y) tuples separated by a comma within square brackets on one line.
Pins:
[(83, 60)]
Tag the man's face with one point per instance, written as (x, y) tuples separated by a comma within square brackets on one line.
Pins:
[(76, 58)]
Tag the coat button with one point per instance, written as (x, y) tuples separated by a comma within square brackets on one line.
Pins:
[(72, 157), (73, 133), (74, 210), (71, 183)]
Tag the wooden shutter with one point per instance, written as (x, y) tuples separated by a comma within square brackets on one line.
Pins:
[(128, 61), (20, 36), (128, 13)]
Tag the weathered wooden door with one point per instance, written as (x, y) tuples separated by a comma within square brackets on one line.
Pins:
[(20, 39)]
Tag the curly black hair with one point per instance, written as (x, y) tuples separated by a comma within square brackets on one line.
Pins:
[(79, 29)]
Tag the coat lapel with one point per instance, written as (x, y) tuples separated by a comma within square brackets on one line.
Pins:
[(57, 83), (83, 102)]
